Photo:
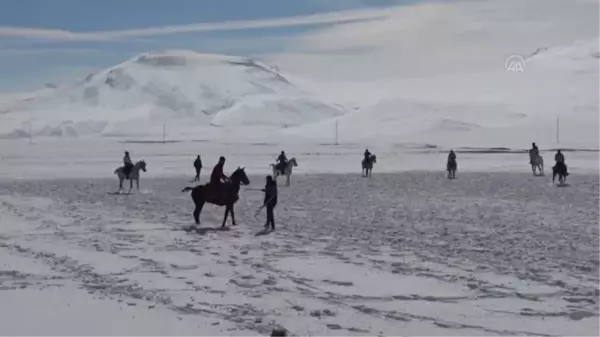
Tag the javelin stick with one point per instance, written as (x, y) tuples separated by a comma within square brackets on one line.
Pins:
[(261, 207)]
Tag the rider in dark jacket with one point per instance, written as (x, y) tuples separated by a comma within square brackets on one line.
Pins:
[(451, 156), (367, 155), (559, 157), (128, 165), (217, 173), (281, 161)]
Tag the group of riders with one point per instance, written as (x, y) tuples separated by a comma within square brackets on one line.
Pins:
[(217, 176), (559, 157)]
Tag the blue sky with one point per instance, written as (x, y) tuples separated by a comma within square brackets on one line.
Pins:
[(28, 58)]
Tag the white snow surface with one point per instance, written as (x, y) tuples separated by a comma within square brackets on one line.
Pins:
[(396, 254)]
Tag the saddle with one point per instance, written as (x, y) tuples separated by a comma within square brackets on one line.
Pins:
[(280, 168), (217, 193)]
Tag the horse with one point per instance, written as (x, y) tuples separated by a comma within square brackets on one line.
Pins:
[(134, 175), (559, 169), (536, 162), (451, 166), (367, 165), (287, 170), (226, 195)]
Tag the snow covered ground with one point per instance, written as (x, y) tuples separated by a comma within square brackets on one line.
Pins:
[(407, 253)]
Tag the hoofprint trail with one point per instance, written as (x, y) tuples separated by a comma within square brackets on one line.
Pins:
[(399, 253)]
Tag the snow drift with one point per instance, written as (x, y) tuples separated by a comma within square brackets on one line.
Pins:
[(180, 88)]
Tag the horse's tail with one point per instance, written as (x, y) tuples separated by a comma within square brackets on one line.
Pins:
[(187, 189)]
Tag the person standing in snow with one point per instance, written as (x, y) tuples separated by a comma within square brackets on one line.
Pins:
[(270, 201), (128, 165), (198, 167)]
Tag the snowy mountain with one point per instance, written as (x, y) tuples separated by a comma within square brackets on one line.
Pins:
[(493, 108), (181, 89)]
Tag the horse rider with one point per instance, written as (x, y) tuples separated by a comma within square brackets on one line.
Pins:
[(367, 155), (198, 167), (534, 151), (217, 174), (451, 156), (281, 162), (128, 165), (559, 158)]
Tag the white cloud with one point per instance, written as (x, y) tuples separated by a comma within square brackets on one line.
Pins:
[(440, 37), (65, 35)]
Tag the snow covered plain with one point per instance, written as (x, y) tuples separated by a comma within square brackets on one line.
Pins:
[(397, 254)]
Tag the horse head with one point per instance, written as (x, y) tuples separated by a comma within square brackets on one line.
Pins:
[(142, 165), (293, 162), (239, 176), (374, 158)]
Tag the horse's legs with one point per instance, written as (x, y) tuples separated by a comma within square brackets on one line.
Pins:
[(197, 211), (287, 180), (120, 184), (232, 216), (225, 216), (137, 182)]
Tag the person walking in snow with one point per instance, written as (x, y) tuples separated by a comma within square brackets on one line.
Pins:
[(198, 167), (270, 201)]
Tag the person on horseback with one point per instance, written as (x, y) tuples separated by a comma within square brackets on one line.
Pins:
[(281, 162), (367, 155), (128, 165), (198, 167), (451, 156), (217, 173), (559, 158), (534, 151)]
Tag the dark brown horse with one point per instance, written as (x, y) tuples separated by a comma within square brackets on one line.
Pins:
[(559, 169), (226, 194)]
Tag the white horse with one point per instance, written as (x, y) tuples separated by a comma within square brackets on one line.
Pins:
[(287, 170), (134, 175), (536, 162)]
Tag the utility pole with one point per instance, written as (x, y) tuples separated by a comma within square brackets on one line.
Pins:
[(336, 133)]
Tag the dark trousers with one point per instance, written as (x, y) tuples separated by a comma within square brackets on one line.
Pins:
[(270, 217), (197, 178)]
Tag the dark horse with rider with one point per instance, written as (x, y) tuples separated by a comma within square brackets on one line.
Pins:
[(220, 191)]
